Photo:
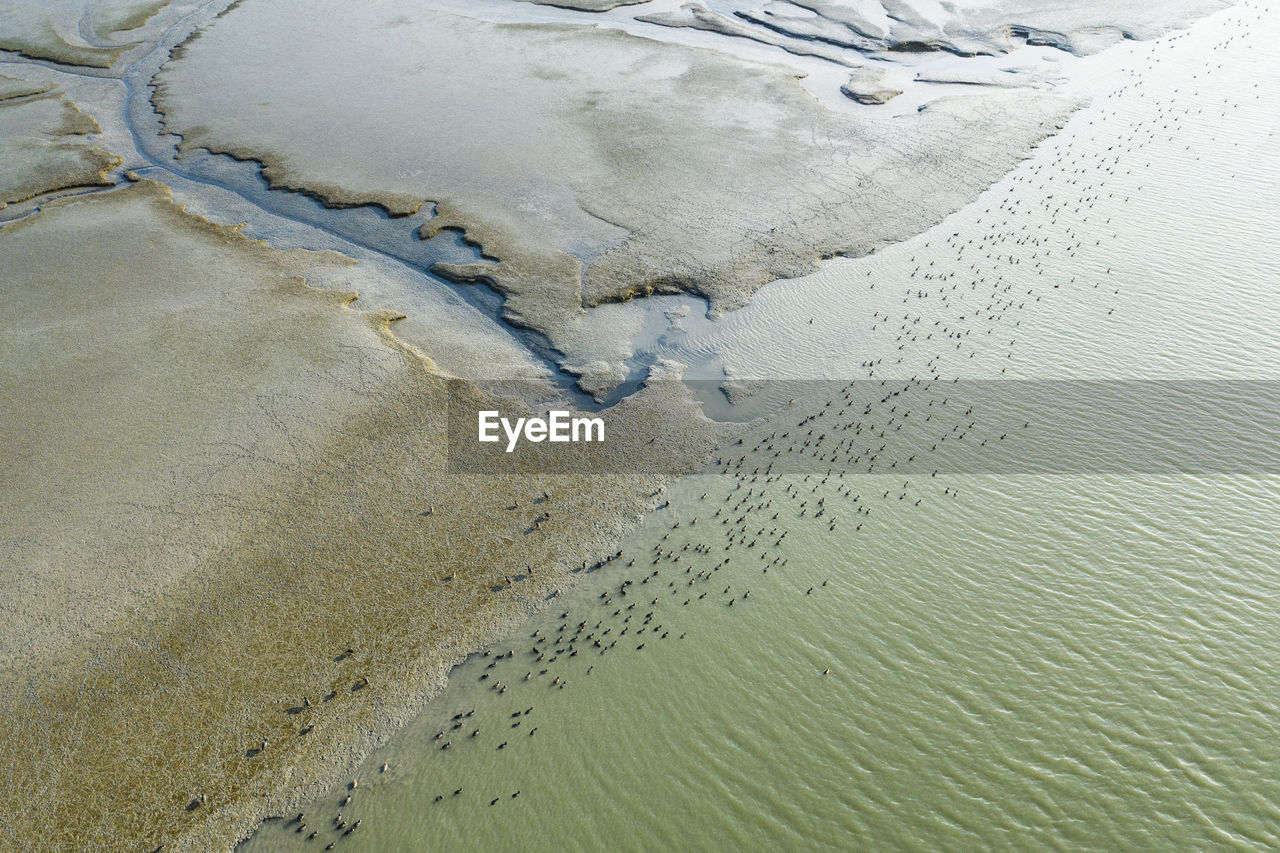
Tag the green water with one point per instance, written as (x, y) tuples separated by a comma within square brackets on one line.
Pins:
[(1017, 662)]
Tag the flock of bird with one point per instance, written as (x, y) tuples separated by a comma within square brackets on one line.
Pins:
[(964, 297)]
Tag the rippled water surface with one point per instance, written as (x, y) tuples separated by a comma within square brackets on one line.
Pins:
[(964, 661)]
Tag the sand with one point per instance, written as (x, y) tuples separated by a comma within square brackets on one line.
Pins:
[(12, 87), (594, 165), (220, 478), (963, 29), (92, 33), (42, 147), (224, 492), (588, 5), (695, 16), (865, 86)]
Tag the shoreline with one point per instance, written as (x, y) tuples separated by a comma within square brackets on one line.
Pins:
[(216, 656), (244, 560)]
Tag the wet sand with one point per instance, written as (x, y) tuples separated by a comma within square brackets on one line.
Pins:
[(643, 166), (240, 557), (191, 562), (42, 147), (964, 657), (91, 33)]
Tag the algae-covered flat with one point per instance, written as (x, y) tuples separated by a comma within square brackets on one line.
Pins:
[(219, 478), (42, 147), (91, 33), (12, 87)]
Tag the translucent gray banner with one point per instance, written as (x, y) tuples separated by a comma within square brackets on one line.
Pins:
[(900, 426)]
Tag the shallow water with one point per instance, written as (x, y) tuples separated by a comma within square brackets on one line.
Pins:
[(1014, 662)]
